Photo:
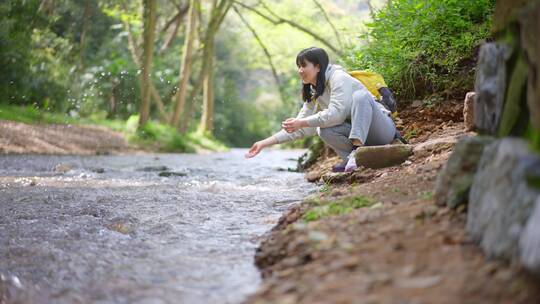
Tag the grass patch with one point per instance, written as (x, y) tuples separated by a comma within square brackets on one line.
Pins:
[(325, 188), (320, 209), (426, 195), (411, 133)]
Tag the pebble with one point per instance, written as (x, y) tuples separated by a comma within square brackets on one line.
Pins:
[(317, 236), (418, 282)]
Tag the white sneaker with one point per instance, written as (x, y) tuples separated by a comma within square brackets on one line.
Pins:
[(351, 163)]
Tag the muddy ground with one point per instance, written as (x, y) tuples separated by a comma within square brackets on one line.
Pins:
[(21, 138), (403, 249)]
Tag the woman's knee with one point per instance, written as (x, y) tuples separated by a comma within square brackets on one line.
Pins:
[(362, 97), (325, 133), (331, 132)]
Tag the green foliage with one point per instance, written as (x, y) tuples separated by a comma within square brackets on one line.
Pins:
[(29, 114), (339, 207), (424, 46), (47, 66), (164, 138)]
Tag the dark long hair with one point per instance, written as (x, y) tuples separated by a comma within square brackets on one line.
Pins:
[(319, 57)]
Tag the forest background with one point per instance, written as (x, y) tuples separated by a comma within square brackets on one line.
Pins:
[(221, 73)]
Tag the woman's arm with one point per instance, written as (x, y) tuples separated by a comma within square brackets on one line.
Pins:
[(298, 130)]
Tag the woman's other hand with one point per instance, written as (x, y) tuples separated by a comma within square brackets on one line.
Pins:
[(292, 124)]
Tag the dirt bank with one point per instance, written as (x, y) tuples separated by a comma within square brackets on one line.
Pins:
[(403, 249), (21, 138)]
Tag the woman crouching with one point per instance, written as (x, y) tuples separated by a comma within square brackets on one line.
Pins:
[(336, 106)]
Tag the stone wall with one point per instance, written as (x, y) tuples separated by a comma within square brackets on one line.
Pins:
[(504, 192)]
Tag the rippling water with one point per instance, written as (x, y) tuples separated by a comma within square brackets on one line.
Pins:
[(109, 229)]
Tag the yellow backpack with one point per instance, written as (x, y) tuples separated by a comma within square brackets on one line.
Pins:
[(372, 81)]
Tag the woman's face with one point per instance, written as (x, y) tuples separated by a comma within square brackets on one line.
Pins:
[(308, 72)]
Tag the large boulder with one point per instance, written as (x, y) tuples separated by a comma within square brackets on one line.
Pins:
[(456, 177), (529, 243), (376, 157), (490, 86), (501, 198)]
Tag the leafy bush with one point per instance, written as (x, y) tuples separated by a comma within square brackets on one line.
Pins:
[(424, 46)]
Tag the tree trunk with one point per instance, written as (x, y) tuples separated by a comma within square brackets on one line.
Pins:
[(149, 35), (207, 118), (133, 49), (217, 14), (86, 18), (185, 68)]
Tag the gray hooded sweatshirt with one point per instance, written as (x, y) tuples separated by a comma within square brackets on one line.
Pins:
[(330, 109)]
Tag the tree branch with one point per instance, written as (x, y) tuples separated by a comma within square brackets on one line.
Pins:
[(329, 22), (265, 50), (280, 20), (182, 11)]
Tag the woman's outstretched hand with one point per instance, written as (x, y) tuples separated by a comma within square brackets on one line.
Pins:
[(258, 146), (254, 150)]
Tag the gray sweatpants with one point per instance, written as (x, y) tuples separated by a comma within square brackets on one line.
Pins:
[(369, 124)]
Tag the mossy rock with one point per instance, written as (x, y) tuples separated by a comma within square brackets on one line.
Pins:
[(376, 157)]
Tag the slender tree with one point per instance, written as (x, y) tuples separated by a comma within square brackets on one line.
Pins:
[(186, 61), (217, 15), (135, 55), (149, 21), (86, 21)]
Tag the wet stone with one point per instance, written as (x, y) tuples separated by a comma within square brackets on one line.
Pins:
[(153, 168), (63, 168), (12, 290), (171, 174)]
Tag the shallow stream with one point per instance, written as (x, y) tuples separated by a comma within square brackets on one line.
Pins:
[(164, 228)]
